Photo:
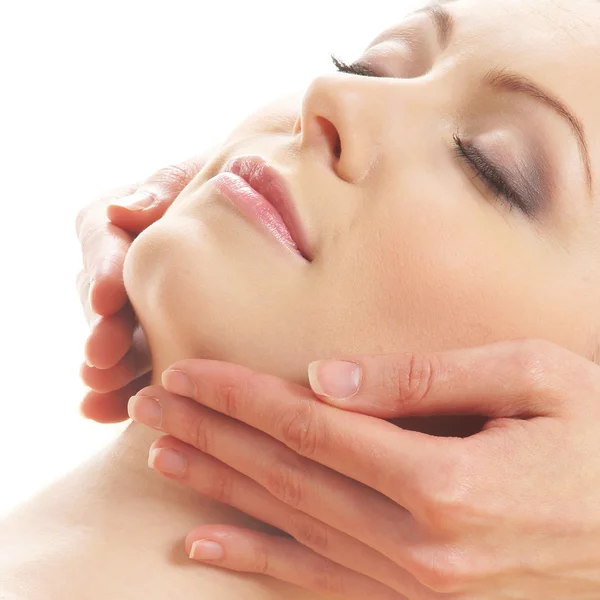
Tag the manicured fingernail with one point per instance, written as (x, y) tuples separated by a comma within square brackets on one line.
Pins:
[(206, 550), (146, 410), (337, 379), (179, 383), (135, 201), (167, 461)]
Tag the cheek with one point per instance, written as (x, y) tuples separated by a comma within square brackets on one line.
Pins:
[(426, 283)]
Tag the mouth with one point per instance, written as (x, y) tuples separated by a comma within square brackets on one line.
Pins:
[(262, 195)]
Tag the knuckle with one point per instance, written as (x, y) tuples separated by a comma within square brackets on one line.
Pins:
[(88, 237), (221, 488), (309, 532), (228, 398), (534, 362), (232, 397), (412, 379), (327, 577), (173, 175), (286, 483), (444, 569), (446, 499), (298, 429), (199, 432), (260, 560)]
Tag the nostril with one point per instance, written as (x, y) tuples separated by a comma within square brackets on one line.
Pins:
[(331, 133), (337, 148)]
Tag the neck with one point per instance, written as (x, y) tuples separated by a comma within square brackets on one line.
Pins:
[(125, 473), (117, 523), (128, 456)]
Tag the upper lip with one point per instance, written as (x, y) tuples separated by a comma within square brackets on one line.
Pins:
[(266, 180)]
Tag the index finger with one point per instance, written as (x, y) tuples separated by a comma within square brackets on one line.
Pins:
[(157, 193), (398, 463), (103, 247), (511, 378)]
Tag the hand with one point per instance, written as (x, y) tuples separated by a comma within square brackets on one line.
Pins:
[(117, 359), (377, 511)]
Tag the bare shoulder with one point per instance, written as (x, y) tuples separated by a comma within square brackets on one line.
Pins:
[(38, 554)]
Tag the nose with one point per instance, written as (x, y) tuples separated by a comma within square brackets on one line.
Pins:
[(338, 123)]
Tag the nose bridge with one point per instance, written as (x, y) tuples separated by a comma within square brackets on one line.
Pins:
[(364, 111)]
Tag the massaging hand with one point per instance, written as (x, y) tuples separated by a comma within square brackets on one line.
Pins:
[(377, 511), (116, 352)]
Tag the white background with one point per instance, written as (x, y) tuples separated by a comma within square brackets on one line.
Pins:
[(98, 95)]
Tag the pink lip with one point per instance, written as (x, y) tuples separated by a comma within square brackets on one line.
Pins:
[(261, 194)]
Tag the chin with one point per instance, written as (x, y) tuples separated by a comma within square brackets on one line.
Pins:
[(198, 298)]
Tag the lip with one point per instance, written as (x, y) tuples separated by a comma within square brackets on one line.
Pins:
[(261, 194)]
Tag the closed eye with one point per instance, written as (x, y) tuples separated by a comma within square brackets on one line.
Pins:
[(491, 175), (356, 68)]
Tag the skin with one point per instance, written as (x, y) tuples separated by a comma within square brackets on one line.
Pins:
[(405, 256), (410, 252)]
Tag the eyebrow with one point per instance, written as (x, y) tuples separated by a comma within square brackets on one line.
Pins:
[(502, 80), (505, 81), (442, 19)]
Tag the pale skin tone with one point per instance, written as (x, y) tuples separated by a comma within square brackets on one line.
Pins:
[(409, 252)]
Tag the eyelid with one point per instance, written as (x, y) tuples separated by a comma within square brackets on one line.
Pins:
[(408, 46), (395, 46), (518, 159), (409, 37), (519, 166)]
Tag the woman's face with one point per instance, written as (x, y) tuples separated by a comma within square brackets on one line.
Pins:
[(411, 248)]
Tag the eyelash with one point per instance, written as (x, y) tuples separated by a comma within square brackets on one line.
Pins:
[(492, 178), (489, 173)]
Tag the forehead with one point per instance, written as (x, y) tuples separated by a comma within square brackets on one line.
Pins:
[(562, 20), (556, 43)]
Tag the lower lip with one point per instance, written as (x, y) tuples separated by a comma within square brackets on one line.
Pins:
[(255, 207)]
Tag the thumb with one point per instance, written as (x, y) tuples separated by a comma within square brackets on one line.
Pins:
[(505, 379), (150, 200)]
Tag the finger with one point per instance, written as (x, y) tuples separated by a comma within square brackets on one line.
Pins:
[(296, 481), (359, 446), (94, 212), (212, 478), (152, 197), (516, 378), (134, 364), (111, 407), (103, 247), (284, 559), (110, 338), (83, 287)]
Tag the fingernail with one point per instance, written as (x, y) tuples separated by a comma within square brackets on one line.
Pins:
[(206, 550), (167, 461), (135, 201), (337, 379), (179, 383), (146, 410)]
